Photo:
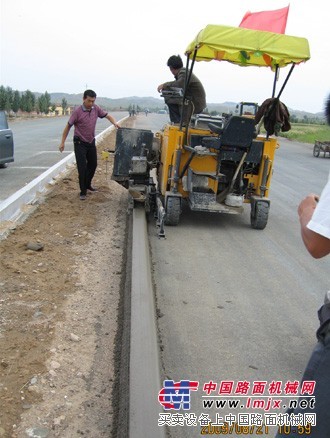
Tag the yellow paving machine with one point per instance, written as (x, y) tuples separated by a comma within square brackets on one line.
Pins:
[(214, 164)]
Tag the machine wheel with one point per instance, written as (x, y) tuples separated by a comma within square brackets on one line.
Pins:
[(173, 210), (316, 150), (259, 215)]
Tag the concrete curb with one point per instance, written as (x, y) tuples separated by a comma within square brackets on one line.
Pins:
[(144, 371), (12, 208)]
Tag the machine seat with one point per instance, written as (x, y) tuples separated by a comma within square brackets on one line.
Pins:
[(217, 129), (238, 132)]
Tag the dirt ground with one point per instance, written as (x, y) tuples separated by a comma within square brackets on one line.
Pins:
[(59, 307)]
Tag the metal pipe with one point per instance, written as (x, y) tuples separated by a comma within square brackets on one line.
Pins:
[(236, 172), (263, 186), (286, 80), (185, 167), (275, 80), (187, 80), (176, 176)]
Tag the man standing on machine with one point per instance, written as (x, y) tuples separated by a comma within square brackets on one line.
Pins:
[(195, 92)]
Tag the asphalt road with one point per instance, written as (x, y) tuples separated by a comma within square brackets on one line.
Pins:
[(36, 144), (239, 304)]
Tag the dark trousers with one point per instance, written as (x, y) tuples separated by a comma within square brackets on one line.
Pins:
[(318, 369), (174, 112), (86, 159)]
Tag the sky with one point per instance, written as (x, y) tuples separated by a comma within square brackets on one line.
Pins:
[(120, 48)]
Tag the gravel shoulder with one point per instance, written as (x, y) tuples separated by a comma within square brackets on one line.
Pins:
[(60, 307)]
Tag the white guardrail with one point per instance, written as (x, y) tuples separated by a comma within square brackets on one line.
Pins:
[(14, 208)]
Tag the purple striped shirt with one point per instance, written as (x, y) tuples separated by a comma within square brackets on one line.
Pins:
[(84, 121)]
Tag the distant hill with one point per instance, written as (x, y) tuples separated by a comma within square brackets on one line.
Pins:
[(155, 104), (112, 104)]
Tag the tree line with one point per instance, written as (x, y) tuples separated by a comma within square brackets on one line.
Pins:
[(14, 101)]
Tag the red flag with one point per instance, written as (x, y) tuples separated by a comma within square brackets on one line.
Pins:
[(270, 21)]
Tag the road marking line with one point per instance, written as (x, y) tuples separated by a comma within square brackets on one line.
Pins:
[(29, 167), (52, 152)]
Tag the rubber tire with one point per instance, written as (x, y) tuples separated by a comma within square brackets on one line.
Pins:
[(259, 217), (316, 150), (3, 166), (173, 211)]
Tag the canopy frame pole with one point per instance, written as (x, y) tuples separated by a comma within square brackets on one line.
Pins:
[(281, 91), (275, 80), (286, 79), (187, 80)]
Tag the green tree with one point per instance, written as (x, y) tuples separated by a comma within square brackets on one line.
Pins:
[(2, 97), (43, 103), (64, 105), (9, 99), (47, 103), (40, 104), (7, 103), (28, 101), (16, 101)]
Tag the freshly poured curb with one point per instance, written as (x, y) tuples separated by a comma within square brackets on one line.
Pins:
[(12, 208), (144, 383)]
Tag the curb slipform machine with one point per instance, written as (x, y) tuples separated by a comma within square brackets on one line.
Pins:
[(215, 164)]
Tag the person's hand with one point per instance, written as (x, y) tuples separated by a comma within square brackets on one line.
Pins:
[(308, 203), (160, 87), (116, 125), (61, 147)]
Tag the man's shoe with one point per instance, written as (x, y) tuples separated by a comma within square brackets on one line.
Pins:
[(82, 197), (92, 189)]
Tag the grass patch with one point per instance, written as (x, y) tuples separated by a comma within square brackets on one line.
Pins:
[(307, 133)]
